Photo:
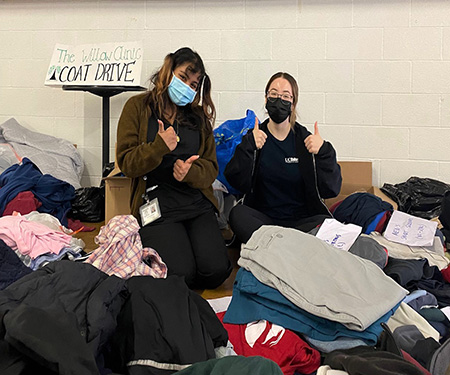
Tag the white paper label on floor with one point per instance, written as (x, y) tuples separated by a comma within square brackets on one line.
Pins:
[(337, 234)]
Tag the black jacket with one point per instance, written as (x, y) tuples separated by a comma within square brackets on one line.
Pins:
[(58, 319), (321, 173), (162, 327)]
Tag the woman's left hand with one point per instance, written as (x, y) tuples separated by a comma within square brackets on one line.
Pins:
[(314, 141), (181, 168)]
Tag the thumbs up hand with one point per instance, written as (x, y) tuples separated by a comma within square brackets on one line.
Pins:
[(168, 135), (314, 141), (259, 136), (181, 168)]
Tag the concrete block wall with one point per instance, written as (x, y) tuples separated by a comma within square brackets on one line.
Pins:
[(374, 74)]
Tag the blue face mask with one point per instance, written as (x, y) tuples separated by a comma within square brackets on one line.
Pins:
[(180, 93)]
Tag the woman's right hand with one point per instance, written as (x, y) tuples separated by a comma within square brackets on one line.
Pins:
[(259, 136), (168, 135)]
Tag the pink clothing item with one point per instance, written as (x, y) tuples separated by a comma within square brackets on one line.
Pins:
[(121, 253), (31, 238), (272, 341), (24, 203)]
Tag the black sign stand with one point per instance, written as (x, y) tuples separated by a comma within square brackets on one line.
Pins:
[(105, 92)]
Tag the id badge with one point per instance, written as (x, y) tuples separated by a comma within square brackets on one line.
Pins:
[(150, 212)]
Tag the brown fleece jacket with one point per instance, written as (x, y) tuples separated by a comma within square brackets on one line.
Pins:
[(136, 157)]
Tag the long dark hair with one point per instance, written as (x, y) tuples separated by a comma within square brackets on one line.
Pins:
[(201, 108), (293, 82)]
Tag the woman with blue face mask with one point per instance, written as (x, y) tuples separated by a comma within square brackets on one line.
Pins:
[(166, 145)]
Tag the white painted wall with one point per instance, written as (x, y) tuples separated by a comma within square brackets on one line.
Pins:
[(375, 74)]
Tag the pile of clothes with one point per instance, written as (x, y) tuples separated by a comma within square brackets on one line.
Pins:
[(299, 306), (381, 307)]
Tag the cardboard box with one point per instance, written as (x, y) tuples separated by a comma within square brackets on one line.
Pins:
[(117, 194), (357, 177)]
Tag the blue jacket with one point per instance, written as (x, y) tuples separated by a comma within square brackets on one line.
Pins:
[(55, 195)]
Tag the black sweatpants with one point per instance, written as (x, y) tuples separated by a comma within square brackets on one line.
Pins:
[(193, 248), (245, 220)]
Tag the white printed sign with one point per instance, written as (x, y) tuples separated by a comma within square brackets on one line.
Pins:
[(337, 234), (106, 64), (410, 230)]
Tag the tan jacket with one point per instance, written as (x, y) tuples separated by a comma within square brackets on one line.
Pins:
[(136, 157)]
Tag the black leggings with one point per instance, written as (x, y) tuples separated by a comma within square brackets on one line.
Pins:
[(192, 248), (245, 220)]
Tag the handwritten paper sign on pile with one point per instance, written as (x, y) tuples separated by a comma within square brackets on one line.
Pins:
[(410, 230)]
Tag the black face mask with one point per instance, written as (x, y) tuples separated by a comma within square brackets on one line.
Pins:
[(278, 109)]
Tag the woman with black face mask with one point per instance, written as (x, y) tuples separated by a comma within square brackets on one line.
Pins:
[(282, 169)]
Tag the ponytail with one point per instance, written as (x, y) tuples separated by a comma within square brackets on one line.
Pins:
[(207, 104)]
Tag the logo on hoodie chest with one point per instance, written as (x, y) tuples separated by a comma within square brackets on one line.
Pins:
[(291, 160)]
